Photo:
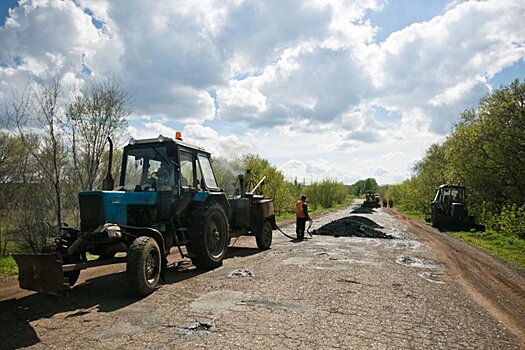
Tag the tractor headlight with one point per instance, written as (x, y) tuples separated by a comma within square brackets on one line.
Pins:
[(113, 231)]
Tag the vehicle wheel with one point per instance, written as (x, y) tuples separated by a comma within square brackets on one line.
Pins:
[(434, 221), (264, 236), (209, 236), (143, 265)]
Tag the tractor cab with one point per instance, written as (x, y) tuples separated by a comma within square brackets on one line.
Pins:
[(449, 208), (158, 176), (165, 164), (451, 194)]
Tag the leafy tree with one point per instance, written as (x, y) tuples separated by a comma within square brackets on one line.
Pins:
[(362, 186), (275, 185)]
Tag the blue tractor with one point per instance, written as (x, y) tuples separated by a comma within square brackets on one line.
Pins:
[(167, 197)]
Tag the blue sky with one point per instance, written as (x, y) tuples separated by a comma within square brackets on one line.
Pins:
[(5, 5), (398, 14), (344, 89)]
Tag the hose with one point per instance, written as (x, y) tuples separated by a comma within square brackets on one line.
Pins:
[(294, 238)]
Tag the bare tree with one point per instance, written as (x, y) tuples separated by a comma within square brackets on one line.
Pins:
[(37, 108), (94, 112)]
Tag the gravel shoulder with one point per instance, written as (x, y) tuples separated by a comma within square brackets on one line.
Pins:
[(416, 291)]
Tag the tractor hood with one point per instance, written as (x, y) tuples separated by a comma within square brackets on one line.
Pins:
[(98, 207)]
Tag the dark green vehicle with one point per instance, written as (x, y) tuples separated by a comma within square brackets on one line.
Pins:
[(167, 197), (449, 209)]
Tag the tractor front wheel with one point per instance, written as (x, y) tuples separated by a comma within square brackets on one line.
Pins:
[(143, 265), (264, 236)]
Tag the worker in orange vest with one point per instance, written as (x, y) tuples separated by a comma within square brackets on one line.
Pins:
[(301, 215)]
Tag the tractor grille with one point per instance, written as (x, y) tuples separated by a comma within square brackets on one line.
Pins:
[(91, 211)]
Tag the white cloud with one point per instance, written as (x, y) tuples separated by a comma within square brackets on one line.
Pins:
[(299, 82)]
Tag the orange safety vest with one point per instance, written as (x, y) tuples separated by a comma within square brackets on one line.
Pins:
[(299, 209)]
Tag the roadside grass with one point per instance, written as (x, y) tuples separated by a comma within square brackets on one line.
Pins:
[(419, 216), (509, 249), (8, 266)]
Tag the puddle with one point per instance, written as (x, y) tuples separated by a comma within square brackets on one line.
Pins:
[(241, 273), (415, 262), (432, 277)]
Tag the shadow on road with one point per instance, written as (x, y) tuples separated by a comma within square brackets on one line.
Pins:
[(105, 293)]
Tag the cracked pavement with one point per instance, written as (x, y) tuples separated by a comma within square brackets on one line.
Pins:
[(323, 293)]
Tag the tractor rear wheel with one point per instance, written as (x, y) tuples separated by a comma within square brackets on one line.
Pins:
[(264, 236), (143, 265), (209, 236)]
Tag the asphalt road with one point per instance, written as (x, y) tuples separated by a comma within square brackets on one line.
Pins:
[(408, 292)]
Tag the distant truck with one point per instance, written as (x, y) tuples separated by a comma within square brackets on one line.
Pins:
[(371, 200), (449, 208)]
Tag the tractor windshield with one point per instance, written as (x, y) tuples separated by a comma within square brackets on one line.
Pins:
[(207, 172), (453, 194), (457, 194), (148, 169)]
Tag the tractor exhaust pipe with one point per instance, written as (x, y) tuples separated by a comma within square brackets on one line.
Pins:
[(242, 186), (109, 184)]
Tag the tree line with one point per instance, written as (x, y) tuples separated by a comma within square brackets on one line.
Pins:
[(53, 145), (485, 152), (325, 193)]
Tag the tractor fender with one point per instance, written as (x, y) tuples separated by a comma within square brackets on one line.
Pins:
[(216, 198), (148, 232)]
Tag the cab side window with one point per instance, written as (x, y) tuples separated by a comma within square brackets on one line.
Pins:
[(186, 169)]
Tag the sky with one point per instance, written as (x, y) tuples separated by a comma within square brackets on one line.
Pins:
[(340, 89)]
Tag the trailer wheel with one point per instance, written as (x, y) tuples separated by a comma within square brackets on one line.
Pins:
[(264, 236), (209, 236), (143, 265)]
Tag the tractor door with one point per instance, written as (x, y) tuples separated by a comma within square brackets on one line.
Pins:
[(187, 174)]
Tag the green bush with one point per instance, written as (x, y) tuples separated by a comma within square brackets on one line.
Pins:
[(326, 193), (511, 221)]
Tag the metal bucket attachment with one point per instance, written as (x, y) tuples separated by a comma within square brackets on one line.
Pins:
[(41, 273)]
